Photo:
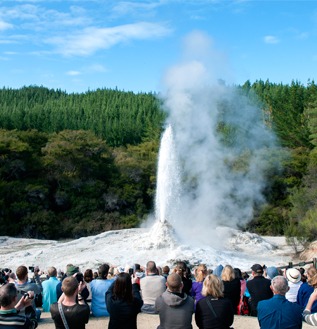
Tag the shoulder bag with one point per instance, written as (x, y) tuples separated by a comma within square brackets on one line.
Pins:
[(61, 312), (213, 311)]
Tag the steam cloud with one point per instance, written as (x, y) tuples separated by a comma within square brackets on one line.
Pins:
[(221, 141)]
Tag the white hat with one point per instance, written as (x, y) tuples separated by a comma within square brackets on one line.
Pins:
[(293, 275)]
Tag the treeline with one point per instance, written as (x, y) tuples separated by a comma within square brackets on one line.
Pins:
[(78, 164), (119, 118)]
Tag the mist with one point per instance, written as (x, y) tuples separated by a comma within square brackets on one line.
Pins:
[(221, 144)]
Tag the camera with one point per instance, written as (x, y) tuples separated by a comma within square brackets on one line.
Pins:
[(80, 277), (130, 271), (26, 295), (31, 268)]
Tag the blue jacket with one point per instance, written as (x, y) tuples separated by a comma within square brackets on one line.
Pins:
[(303, 295), (279, 313)]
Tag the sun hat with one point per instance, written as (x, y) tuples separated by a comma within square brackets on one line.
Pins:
[(71, 270), (293, 275)]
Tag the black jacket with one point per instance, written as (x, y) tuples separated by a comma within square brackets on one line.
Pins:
[(259, 289), (232, 291), (123, 314), (223, 317)]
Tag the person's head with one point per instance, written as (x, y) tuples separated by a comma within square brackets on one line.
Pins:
[(166, 270), (237, 273), (103, 271), (212, 286), (227, 273), (52, 272), (218, 270), (151, 267), (293, 275), (279, 285), (245, 276), (200, 272), (122, 289), (174, 283), (22, 273), (311, 273), (71, 270), (88, 275), (271, 272), (181, 268), (8, 294), (257, 270), (70, 286)]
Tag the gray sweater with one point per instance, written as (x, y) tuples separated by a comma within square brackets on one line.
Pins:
[(175, 310)]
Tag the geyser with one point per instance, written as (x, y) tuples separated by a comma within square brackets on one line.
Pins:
[(213, 156)]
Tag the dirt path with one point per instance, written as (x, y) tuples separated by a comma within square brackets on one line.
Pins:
[(146, 321)]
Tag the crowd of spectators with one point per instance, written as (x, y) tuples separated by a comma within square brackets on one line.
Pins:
[(278, 298)]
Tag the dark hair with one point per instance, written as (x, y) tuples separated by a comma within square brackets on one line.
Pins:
[(88, 275), (7, 294), (123, 287), (103, 271), (151, 267), (237, 273)]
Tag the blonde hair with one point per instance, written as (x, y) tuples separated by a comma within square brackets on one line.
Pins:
[(312, 276), (212, 286), (200, 272), (227, 273)]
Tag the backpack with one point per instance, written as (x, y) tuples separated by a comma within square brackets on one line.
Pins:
[(245, 309)]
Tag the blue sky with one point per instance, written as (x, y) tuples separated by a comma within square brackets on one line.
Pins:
[(81, 45)]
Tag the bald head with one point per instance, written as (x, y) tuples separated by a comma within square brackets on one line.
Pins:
[(174, 282)]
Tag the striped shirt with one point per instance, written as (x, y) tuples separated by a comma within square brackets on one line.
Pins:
[(11, 319)]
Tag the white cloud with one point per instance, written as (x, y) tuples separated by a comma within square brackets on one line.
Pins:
[(271, 39), (129, 7), (93, 39), (73, 73), (5, 26), (97, 68)]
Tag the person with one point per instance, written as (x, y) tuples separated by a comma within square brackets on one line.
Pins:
[(258, 288), (175, 308), (99, 287), (88, 277), (124, 302), (165, 271), (243, 286), (214, 311), (75, 314), (23, 285), (307, 288), (152, 286), (232, 286), (218, 270), (277, 312), (271, 272), (72, 270), (308, 316), (182, 270), (293, 277), (49, 289), (138, 273), (197, 285), (10, 318)]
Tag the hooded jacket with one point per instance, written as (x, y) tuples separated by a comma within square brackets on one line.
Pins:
[(175, 310)]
